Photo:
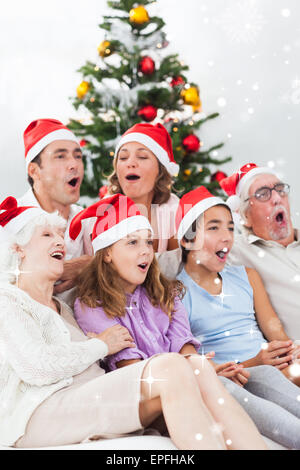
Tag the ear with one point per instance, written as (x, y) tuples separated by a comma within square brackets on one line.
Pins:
[(247, 219), (188, 245), (107, 256), (33, 171), (19, 250)]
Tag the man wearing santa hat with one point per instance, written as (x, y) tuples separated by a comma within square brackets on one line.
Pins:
[(267, 241), (55, 171)]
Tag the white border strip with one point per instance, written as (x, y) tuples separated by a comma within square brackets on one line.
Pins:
[(19, 222), (152, 145), (59, 134), (250, 174), (120, 230), (194, 213)]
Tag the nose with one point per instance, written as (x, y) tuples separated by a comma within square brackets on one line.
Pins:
[(59, 241), (131, 162), (226, 235), (146, 248), (275, 197), (73, 163)]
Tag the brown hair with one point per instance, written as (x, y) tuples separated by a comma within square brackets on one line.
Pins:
[(162, 187), (99, 285), (38, 161)]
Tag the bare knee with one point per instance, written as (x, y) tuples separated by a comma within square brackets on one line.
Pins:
[(169, 367), (201, 366)]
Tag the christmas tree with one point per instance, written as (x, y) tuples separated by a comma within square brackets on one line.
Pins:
[(134, 80)]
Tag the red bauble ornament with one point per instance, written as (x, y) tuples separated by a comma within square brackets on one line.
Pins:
[(218, 176), (148, 112), (177, 81), (191, 143), (103, 191), (147, 65), (83, 143)]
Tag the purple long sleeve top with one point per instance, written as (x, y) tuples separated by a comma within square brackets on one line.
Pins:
[(149, 326)]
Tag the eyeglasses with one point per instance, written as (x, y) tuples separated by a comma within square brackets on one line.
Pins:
[(264, 194)]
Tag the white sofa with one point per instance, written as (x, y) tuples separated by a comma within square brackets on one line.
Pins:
[(132, 443)]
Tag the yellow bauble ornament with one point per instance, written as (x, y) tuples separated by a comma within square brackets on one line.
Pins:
[(104, 49), (191, 96), (82, 89), (138, 15)]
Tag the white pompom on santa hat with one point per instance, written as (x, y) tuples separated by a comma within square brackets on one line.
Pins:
[(234, 184), (191, 206), (116, 217), (157, 139), (41, 133)]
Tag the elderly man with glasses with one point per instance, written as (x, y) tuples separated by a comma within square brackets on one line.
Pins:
[(267, 241)]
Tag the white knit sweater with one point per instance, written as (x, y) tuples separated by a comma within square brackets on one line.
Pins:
[(37, 358)]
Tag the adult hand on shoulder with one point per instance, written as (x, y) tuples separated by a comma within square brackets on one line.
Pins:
[(276, 353), (116, 337), (72, 269)]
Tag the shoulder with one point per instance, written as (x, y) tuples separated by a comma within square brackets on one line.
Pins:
[(28, 199), (173, 199), (172, 202), (9, 292), (253, 276), (75, 209)]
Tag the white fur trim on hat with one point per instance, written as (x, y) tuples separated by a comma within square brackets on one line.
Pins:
[(194, 213), (250, 174), (17, 223), (120, 230), (152, 145), (59, 134)]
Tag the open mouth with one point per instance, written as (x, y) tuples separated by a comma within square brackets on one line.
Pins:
[(222, 254), (280, 217), (132, 177), (59, 255), (143, 266), (73, 182)]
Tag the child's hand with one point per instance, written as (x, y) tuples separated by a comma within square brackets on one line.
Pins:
[(116, 337), (210, 354), (276, 353), (234, 372)]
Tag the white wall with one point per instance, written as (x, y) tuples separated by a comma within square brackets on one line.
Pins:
[(244, 55)]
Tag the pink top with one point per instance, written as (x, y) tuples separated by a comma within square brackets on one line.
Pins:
[(163, 221)]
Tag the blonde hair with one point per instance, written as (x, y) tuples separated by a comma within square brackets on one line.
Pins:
[(99, 285), (162, 187)]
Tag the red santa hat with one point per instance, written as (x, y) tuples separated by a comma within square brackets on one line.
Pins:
[(42, 132), (117, 216), (234, 184), (14, 218), (157, 139), (191, 206)]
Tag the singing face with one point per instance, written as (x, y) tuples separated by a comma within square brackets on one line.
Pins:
[(60, 173), (271, 219), (44, 253), (137, 170), (213, 239), (131, 257)]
